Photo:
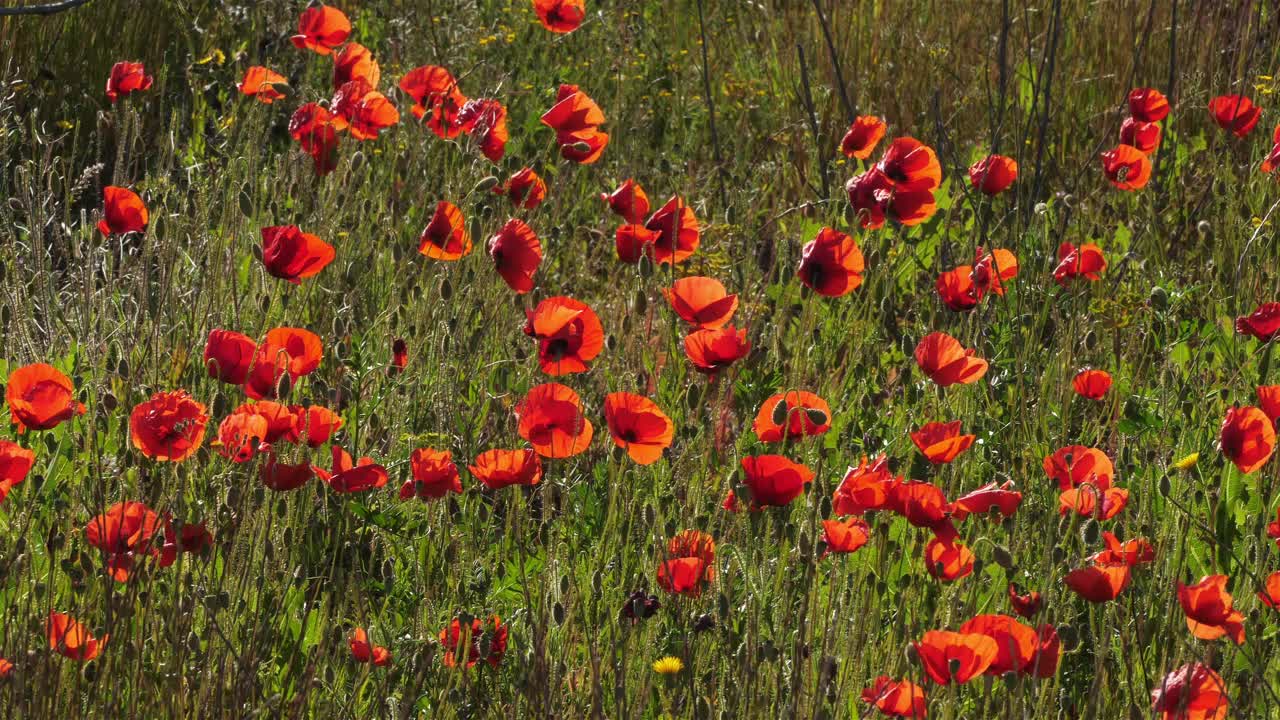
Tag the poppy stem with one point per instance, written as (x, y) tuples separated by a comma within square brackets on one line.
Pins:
[(711, 118)]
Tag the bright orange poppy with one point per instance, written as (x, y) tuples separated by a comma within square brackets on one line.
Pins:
[(569, 335), (352, 477), (701, 301), (1269, 401), (321, 28), (240, 434), (363, 110), (71, 639), (845, 536), (40, 398), (955, 657), (503, 468), (1091, 384), (1085, 261), (560, 16), (1148, 104), (1132, 553), (122, 212), (282, 420), (948, 559), (550, 418), (1209, 611), (1248, 438), (793, 415), (290, 254), (263, 84), (576, 118), (1016, 644), (629, 201), (1270, 594), (896, 698), (355, 62), (516, 254), (689, 564), (1127, 167), (1098, 583), (1192, 692), (831, 264), (711, 351), (993, 174), (526, 189), (314, 425), (15, 462), (986, 498), (485, 120), (446, 236), (941, 442), (1076, 465), (435, 94), (678, 232), (947, 362), (774, 480), (124, 531), (638, 426), (1089, 500), (865, 487), (363, 651), (168, 427), (1272, 160), (863, 135)]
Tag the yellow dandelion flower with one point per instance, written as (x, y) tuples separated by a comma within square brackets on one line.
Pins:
[(1187, 462), (668, 665)]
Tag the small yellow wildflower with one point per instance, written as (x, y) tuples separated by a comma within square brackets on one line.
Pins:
[(1187, 462), (668, 665)]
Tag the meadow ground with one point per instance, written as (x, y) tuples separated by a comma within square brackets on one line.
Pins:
[(226, 595)]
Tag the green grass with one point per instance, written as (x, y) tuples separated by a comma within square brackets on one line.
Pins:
[(258, 628)]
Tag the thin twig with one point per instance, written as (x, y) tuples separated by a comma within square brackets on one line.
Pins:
[(711, 108), (835, 63), (806, 97), (49, 9)]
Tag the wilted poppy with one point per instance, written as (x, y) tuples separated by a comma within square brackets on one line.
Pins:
[(435, 93), (568, 332), (955, 657), (689, 564), (984, 499), (525, 189), (478, 642), (263, 84), (993, 174), (861, 138), (40, 398), (1248, 438), (948, 559), (774, 480), (1192, 692), (355, 62), (1127, 167), (1270, 594), (845, 536), (1145, 136), (516, 254), (638, 426), (1132, 553), (446, 236), (678, 232), (1085, 261), (865, 487), (1209, 611), (290, 254), (711, 351), (365, 111), (629, 201), (1235, 113), (15, 462), (316, 130), (168, 427), (124, 531), (1098, 583), (831, 264), (550, 418), (314, 426), (127, 78), (947, 362), (1074, 465), (1263, 323), (434, 475), (365, 652), (71, 639), (240, 434), (1148, 104), (283, 477), (352, 477), (1025, 605), (1272, 160), (560, 16), (701, 301), (941, 442), (793, 415), (1016, 644), (1092, 384), (321, 28), (122, 212), (896, 698), (502, 468), (1090, 500), (485, 120)]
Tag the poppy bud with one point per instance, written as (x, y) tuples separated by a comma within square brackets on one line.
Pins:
[(1164, 486), (1159, 298), (953, 665), (1067, 633), (1002, 557), (246, 205), (557, 612), (912, 655), (1089, 531), (486, 183), (580, 147), (704, 622)]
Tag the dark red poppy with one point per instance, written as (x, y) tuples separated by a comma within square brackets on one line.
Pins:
[(435, 93), (711, 351), (1145, 136), (1075, 465), (263, 84), (865, 487), (282, 420), (1235, 113), (1025, 605), (227, 356), (861, 138), (126, 530), (993, 174), (1085, 261), (399, 355), (550, 418), (947, 362), (363, 651), (678, 232), (191, 538), (1273, 528), (1127, 167), (1044, 664), (1270, 593), (1192, 692), (503, 468), (283, 477), (941, 442), (1132, 553), (701, 301), (1209, 611), (1092, 384), (923, 504), (1092, 501), (896, 698), (568, 333), (525, 189), (516, 254), (321, 28), (365, 111), (485, 120), (629, 201), (168, 427), (988, 497), (1148, 104), (434, 475), (638, 426), (831, 264), (290, 254), (1263, 323), (478, 642), (127, 78), (316, 130), (352, 477), (1016, 644), (446, 236), (71, 639), (1248, 438), (122, 212), (15, 462), (845, 536), (240, 434), (1098, 583), (794, 414), (689, 564), (774, 480), (560, 16), (634, 242), (955, 657), (355, 62), (40, 398)]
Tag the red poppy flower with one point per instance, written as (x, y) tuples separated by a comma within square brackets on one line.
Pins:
[(638, 426), (294, 351), (321, 28), (1025, 605), (502, 468), (283, 477), (240, 434), (1132, 553), (774, 480), (261, 83), (1148, 104), (583, 148), (861, 138), (290, 254), (948, 560), (40, 398), (1269, 401), (568, 332), (701, 301), (576, 118), (1270, 595), (516, 255), (1127, 167), (957, 290), (1145, 136), (1247, 438), (191, 538), (634, 242), (1192, 692), (982, 500), (6, 668), (349, 477), (15, 462), (865, 487), (435, 92), (486, 121), (127, 78), (1209, 611), (1073, 262), (947, 362), (941, 442), (831, 264), (550, 418), (911, 165), (122, 212), (1273, 528), (1089, 500), (923, 504), (365, 111), (991, 270), (1263, 323), (1044, 664), (125, 530), (446, 236), (845, 536), (629, 201), (1235, 113), (316, 130), (1272, 160), (355, 62), (1092, 384), (896, 698), (711, 351), (875, 197), (434, 475), (470, 645), (1016, 644), (560, 16), (1098, 583), (315, 425), (525, 189), (399, 355), (364, 652), (955, 657), (71, 639), (678, 232), (689, 564), (993, 174), (168, 427), (282, 420), (794, 414), (1074, 465)]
